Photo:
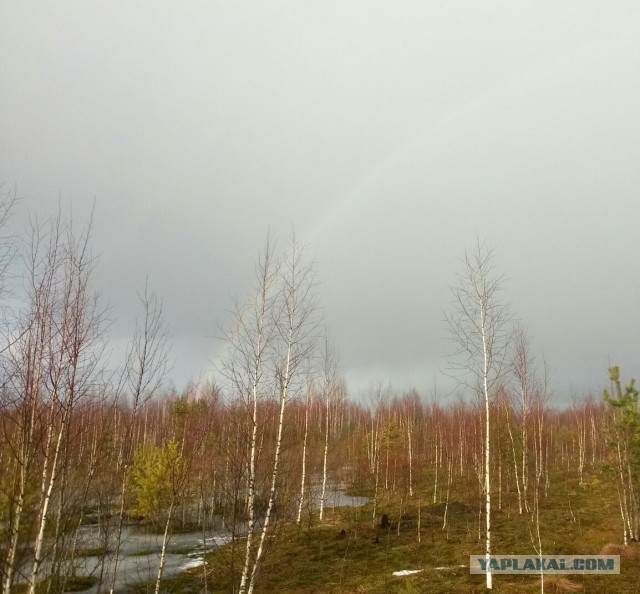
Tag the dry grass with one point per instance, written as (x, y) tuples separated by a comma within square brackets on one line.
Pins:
[(559, 583), (318, 558), (628, 552)]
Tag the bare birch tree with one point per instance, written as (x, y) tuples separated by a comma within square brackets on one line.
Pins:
[(540, 399), (480, 326), (522, 368), (247, 368), (144, 372), (329, 370), (21, 452), (52, 365), (303, 478), (296, 329)]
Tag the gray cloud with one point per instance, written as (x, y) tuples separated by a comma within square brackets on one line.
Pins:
[(387, 133)]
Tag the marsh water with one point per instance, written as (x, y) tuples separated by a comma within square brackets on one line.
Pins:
[(140, 552)]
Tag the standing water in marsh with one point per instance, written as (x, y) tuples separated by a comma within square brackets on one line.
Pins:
[(140, 556), (140, 551)]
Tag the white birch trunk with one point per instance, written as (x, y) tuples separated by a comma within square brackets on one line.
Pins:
[(15, 532), (410, 458), (435, 482), (419, 519), (25, 463), (251, 487), (525, 470), (375, 494), (487, 457), (304, 463), (515, 466), (274, 474), (325, 454), (624, 520), (446, 506), (165, 540), (44, 512)]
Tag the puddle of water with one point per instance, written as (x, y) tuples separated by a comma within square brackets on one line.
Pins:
[(140, 552), (336, 497), (140, 556)]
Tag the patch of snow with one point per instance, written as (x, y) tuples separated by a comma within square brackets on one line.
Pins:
[(192, 564)]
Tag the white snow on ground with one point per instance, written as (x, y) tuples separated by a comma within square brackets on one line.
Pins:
[(191, 564), (412, 571)]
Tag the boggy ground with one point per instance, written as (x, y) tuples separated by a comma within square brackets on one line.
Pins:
[(346, 553)]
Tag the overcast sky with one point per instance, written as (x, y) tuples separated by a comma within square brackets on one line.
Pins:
[(387, 133)]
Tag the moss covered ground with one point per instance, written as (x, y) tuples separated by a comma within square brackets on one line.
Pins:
[(348, 552)]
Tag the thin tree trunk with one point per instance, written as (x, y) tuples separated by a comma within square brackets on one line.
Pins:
[(515, 464), (48, 482), (410, 452), (116, 555), (15, 532), (446, 506), (165, 540), (375, 494), (435, 482), (326, 450), (487, 457), (304, 462), (274, 474), (258, 344)]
